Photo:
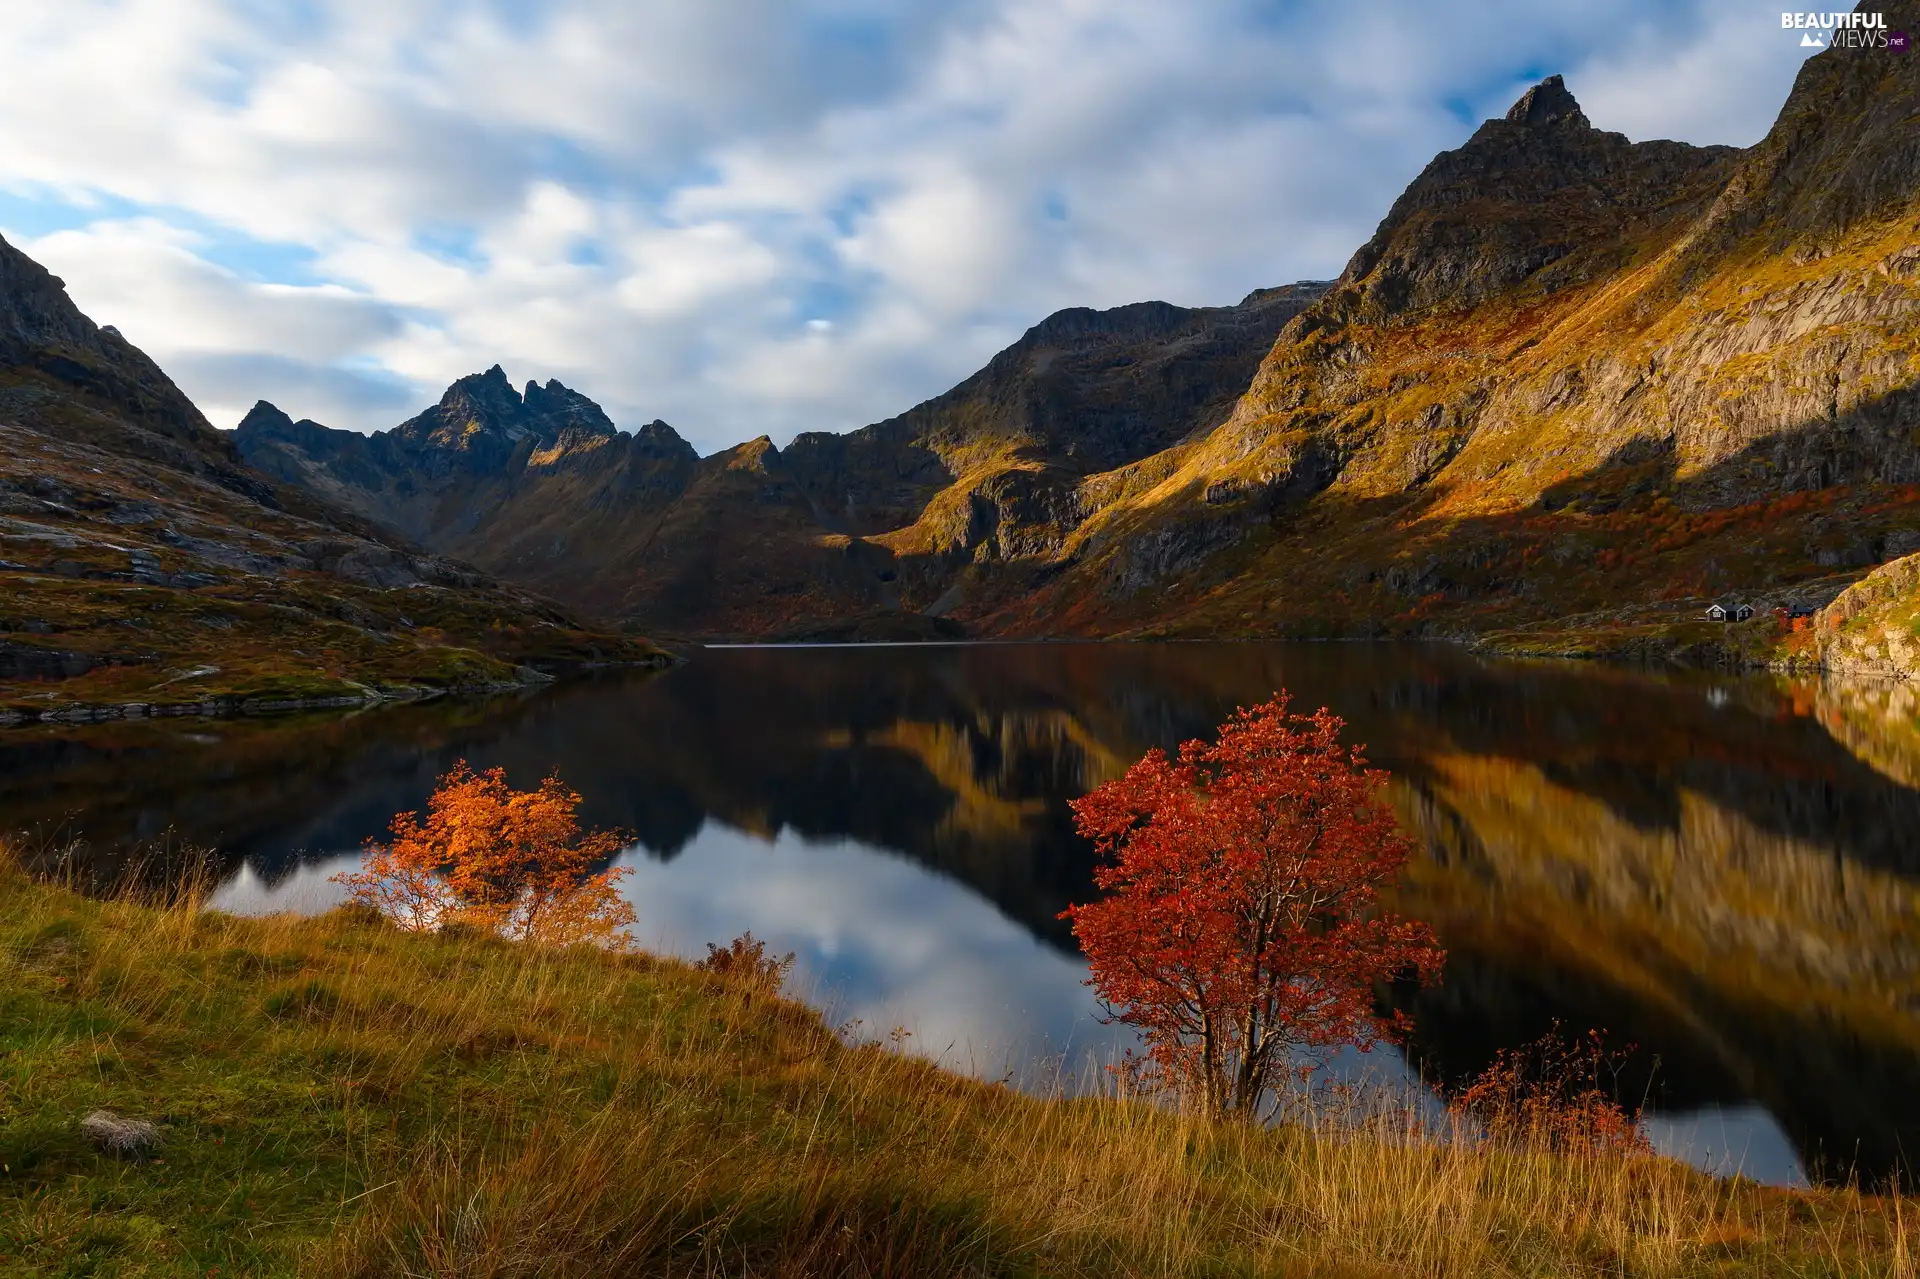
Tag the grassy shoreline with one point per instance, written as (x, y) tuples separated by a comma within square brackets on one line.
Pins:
[(340, 1098)]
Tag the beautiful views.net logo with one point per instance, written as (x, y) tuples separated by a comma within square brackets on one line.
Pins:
[(1844, 31)]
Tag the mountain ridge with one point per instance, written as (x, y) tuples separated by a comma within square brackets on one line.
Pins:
[(757, 539)]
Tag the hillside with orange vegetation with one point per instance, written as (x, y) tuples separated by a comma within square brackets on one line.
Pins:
[(1572, 384), (146, 569)]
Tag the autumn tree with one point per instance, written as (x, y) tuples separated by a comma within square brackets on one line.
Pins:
[(1241, 921), (512, 862)]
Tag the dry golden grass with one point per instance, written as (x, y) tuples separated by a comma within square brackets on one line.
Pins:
[(341, 1098)]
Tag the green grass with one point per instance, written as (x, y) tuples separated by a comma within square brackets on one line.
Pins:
[(342, 1099)]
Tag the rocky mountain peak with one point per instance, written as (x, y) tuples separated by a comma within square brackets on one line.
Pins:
[(1134, 321), (657, 439), (265, 417), (1547, 103), (488, 395), (1517, 201), (35, 310), (554, 408), (1843, 151)]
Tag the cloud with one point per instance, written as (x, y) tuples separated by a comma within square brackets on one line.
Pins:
[(225, 339), (768, 216), (230, 382), (1719, 79)]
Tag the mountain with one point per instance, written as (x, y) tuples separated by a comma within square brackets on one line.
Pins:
[(145, 567), (1573, 389), (757, 539), (1571, 382)]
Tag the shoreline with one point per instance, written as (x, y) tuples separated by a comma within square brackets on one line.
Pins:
[(1651, 652), (233, 705)]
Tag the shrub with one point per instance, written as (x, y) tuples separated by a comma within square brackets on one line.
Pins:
[(746, 957), (506, 862), (1554, 1093)]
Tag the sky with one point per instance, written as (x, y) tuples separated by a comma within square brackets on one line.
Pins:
[(750, 217)]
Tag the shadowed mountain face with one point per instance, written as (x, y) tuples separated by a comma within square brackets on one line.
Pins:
[(1569, 374), (756, 539), (1719, 870), (144, 565)]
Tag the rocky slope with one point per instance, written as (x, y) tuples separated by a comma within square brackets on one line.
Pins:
[(145, 567), (1569, 375), (541, 489)]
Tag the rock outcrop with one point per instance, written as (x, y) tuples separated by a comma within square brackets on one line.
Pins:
[(1873, 627)]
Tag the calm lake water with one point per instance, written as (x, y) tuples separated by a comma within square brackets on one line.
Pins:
[(1722, 871)]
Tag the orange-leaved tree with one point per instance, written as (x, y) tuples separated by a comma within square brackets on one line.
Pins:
[(1241, 921), (507, 861)]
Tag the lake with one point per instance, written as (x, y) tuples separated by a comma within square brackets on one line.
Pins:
[(1723, 871)]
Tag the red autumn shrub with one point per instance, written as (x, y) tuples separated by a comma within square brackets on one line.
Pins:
[(1554, 1094), (746, 957)]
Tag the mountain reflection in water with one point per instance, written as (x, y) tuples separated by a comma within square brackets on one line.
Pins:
[(1725, 872)]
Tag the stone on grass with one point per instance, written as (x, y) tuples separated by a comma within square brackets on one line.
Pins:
[(119, 1135)]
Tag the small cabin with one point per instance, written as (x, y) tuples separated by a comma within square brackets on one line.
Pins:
[(1729, 612)]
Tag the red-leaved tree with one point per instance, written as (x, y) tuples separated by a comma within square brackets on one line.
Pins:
[(507, 861), (1242, 920)]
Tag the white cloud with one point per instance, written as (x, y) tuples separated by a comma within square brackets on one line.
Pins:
[(761, 216), (1722, 83), (147, 278)]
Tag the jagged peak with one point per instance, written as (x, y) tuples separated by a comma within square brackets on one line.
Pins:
[(658, 439), (265, 416), (554, 387), (658, 429), (1546, 103), (490, 386), (1503, 207), (556, 407)]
